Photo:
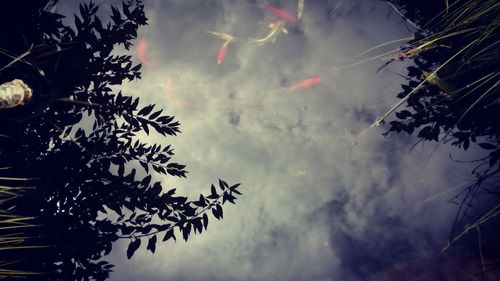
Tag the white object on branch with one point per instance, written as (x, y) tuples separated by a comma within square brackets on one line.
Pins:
[(14, 93)]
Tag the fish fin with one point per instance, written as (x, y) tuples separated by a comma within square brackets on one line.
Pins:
[(300, 9), (222, 35)]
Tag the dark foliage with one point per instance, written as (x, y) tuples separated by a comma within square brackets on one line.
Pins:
[(460, 102), (87, 194), (467, 112), (457, 42)]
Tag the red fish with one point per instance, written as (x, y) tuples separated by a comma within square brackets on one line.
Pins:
[(222, 52), (176, 101), (309, 82), (142, 48), (281, 14)]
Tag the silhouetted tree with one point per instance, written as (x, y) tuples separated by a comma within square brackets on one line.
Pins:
[(88, 193)]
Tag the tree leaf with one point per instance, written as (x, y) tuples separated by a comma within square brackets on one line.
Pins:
[(403, 114), (132, 247), (145, 181), (213, 191), (144, 165), (219, 209), (186, 230), (466, 143), (156, 114), (487, 146), (146, 110), (152, 244), (425, 132), (205, 220), (169, 234)]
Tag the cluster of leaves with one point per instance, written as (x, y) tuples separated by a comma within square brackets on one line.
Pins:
[(466, 34), (459, 101), (188, 216), (84, 198), (452, 91)]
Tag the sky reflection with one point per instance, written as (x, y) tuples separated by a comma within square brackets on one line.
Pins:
[(321, 201)]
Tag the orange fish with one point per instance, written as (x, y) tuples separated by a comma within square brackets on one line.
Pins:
[(176, 101), (309, 82), (222, 51), (142, 48), (169, 85), (281, 14), (185, 103)]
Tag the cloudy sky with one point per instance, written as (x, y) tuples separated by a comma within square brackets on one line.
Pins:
[(321, 200)]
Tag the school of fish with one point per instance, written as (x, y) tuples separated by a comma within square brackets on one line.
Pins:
[(277, 26)]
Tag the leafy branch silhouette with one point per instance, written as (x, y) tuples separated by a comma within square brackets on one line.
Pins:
[(88, 193)]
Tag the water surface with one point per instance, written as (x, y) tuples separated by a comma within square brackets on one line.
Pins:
[(325, 198)]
